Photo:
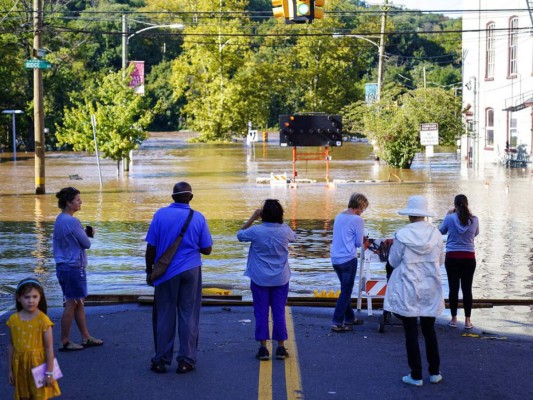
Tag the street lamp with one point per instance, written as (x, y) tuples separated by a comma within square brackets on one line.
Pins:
[(381, 51), (126, 38), (125, 41), (13, 112)]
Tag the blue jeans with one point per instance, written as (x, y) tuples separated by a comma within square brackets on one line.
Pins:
[(343, 309)]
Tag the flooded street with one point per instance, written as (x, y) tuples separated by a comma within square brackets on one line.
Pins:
[(223, 178)]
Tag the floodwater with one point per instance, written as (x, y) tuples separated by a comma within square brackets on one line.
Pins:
[(223, 178)]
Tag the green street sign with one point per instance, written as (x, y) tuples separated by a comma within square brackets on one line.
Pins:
[(35, 63)]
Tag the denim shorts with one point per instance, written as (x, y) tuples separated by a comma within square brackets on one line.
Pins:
[(73, 282)]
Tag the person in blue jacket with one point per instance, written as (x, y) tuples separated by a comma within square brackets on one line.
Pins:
[(462, 227)]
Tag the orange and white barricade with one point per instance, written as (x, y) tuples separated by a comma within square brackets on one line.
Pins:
[(372, 277), (280, 179)]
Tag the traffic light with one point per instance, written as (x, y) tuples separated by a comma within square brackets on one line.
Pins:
[(318, 9), (303, 8), (298, 11), (278, 8), (304, 11)]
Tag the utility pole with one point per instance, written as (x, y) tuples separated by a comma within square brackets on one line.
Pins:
[(382, 48), (38, 112), (124, 43), (125, 161)]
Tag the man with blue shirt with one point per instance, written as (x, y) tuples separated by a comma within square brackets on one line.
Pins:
[(180, 287)]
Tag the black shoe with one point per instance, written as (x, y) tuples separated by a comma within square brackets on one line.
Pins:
[(281, 353), (184, 367), (159, 367), (355, 322), (262, 354), (341, 328)]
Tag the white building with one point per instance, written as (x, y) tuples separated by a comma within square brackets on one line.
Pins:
[(497, 80)]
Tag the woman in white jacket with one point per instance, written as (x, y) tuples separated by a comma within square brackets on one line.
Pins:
[(414, 289)]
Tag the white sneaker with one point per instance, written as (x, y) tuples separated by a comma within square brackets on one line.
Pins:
[(410, 381), (435, 378)]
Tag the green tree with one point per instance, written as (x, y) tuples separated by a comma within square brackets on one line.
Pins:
[(202, 75), (393, 124), (121, 118)]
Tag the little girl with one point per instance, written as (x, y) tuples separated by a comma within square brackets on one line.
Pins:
[(31, 343)]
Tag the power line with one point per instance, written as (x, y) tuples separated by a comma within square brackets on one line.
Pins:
[(269, 12), (291, 33)]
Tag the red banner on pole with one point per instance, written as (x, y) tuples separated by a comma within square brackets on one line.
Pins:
[(137, 77)]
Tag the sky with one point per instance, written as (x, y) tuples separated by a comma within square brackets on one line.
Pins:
[(428, 5)]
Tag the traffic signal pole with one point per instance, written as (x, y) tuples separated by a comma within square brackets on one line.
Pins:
[(38, 107)]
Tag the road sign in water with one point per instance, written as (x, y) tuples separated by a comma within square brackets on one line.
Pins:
[(35, 63)]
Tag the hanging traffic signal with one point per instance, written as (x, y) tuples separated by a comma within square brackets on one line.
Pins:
[(278, 8), (318, 9), (303, 8), (304, 11), (298, 11)]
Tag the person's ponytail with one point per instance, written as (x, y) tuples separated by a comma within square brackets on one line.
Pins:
[(462, 210)]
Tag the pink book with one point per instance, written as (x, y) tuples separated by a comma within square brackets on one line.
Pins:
[(39, 375)]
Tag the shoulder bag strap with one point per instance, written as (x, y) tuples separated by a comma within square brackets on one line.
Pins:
[(167, 256)]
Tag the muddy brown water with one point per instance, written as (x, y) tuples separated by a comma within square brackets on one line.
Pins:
[(223, 177)]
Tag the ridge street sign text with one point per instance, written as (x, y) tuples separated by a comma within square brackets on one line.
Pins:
[(35, 63)]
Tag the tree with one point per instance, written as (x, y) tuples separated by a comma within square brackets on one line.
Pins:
[(393, 124), (202, 75), (121, 118)]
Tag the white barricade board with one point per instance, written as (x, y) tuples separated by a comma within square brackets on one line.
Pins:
[(372, 275)]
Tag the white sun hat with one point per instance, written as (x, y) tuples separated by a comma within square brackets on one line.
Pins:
[(417, 206)]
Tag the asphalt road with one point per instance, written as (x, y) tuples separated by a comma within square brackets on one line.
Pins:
[(362, 364)]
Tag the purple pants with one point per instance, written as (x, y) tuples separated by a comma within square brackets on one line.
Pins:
[(274, 297)]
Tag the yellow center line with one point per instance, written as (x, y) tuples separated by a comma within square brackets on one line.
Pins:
[(293, 382), (265, 372)]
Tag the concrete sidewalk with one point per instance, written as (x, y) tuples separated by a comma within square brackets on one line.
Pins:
[(362, 364)]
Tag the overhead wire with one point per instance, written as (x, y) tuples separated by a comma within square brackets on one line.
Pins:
[(377, 11), (291, 32)]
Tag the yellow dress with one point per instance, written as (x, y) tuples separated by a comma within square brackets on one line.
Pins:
[(28, 346)]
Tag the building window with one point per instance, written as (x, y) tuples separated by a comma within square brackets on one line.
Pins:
[(513, 45), (489, 127), (513, 132), (490, 51)]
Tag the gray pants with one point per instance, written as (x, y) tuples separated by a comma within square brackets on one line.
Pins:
[(184, 293)]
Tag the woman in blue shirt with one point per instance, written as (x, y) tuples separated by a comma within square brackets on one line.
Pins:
[(70, 241), (268, 270), (462, 227), (348, 232)]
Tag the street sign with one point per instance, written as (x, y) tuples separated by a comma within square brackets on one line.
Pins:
[(252, 137), (39, 53), (35, 63), (429, 134)]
